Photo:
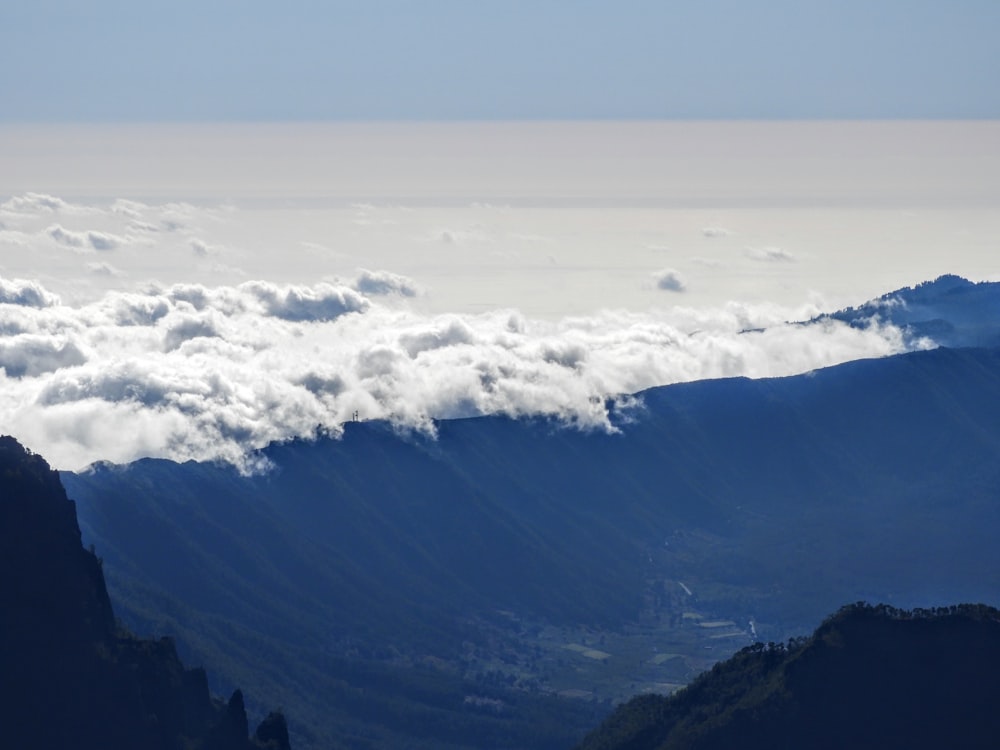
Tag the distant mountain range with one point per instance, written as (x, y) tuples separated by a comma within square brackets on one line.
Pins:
[(499, 585), (949, 311), (869, 678)]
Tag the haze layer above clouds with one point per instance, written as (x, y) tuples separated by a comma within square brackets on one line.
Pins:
[(549, 218)]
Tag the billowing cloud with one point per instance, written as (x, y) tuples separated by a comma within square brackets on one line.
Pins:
[(188, 328), (669, 280), (383, 283), (31, 203), (322, 302), (29, 355), (193, 371), (26, 293)]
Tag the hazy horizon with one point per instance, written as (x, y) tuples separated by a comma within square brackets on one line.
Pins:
[(219, 287)]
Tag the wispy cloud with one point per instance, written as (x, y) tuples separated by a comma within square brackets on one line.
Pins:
[(103, 269), (84, 241), (711, 232), (669, 280), (770, 255)]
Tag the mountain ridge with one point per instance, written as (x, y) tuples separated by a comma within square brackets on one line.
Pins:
[(868, 677), (948, 311)]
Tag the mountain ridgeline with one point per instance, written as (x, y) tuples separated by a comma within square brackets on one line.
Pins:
[(869, 678), (499, 584), (949, 311), (71, 677)]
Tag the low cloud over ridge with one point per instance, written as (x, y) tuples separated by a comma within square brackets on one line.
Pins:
[(191, 371)]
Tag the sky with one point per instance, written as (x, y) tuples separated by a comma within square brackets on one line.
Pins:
[(223, 224), (229, 60)]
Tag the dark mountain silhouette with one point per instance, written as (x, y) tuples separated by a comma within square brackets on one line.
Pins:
[(70, 676), (869, 677)]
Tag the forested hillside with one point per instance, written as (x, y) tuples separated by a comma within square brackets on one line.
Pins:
[(869, 677)]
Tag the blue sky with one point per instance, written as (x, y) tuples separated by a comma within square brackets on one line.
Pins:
[(106, 61)]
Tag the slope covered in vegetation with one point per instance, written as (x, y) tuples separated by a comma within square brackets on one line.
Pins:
[(869, 677)]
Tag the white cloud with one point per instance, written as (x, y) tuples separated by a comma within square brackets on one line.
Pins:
[(715, 232), (66, 237), (187, 328), (31, 203), (193, 371), (669, 280), (131, 209), (103, 240), (85, 241), (322, 302), (770, 255), (103, 269), (453, 333), (26, 293), (31, 355), (384, 283)]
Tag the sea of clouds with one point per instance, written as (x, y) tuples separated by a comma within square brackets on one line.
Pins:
[(213, 372)]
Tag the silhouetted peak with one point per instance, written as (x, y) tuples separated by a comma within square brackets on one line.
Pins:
[(235, 722), (272, 733), (71, 677)]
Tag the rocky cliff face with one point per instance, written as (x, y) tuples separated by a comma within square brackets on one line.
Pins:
[(69, 676)]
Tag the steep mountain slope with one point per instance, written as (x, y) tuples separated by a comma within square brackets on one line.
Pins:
[(370, 567), (869, 677), (70, 677)]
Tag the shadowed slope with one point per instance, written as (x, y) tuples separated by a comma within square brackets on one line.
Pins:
[(357, 561), (869, 677)]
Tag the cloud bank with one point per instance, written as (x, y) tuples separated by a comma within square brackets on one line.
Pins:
[(199, 372)]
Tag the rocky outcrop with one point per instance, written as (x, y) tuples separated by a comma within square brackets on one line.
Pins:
[(69, 676)]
